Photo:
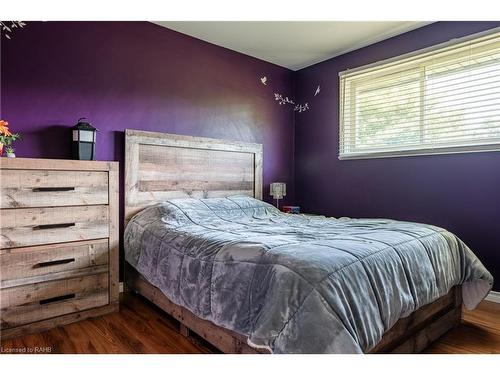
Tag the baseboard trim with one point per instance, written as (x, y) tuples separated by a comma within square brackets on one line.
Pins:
[(493, 297)]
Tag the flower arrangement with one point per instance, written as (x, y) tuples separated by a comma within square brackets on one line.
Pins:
[(6, 139)]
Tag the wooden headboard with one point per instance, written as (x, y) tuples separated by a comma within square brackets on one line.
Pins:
[(160, 166)]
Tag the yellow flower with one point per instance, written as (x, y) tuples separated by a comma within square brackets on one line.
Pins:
[(4, 129)]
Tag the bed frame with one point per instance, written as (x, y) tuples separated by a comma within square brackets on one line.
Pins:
[(161, 166)]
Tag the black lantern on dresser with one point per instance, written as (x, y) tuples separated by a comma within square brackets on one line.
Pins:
[(84, 135)]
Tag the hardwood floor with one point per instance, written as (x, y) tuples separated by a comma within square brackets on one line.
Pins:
[(479, 333), (140, 327)]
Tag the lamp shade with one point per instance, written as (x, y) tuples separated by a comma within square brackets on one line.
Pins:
[(278, 190)]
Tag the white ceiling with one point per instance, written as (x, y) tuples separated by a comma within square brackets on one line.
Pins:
[(293, 45)]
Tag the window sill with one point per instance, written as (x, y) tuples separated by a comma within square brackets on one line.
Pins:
[(421, 152)]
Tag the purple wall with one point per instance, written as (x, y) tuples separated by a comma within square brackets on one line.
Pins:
[(141, 76), (458, 192)]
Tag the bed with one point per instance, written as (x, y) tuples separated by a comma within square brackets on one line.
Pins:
[(202, 246)]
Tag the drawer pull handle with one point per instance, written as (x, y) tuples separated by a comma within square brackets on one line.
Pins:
[(54, 263), (41, 189), (52, 226), (56, 299)]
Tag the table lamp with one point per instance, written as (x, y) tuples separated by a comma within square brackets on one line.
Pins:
[(278, 191)]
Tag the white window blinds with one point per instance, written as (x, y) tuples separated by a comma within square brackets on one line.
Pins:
[(435, 101)]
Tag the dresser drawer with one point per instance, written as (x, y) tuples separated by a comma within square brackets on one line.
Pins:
[(43, 263), (35, 302), (39, 188), (37, 226)]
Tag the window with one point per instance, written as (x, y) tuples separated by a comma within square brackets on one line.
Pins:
[(442, 100)]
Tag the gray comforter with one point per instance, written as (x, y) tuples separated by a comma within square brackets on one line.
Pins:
[(294, 283)]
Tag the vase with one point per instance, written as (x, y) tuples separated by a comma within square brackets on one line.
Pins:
[(10, 155), (1, 149)]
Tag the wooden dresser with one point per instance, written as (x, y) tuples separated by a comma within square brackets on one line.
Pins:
[(59, 242)]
